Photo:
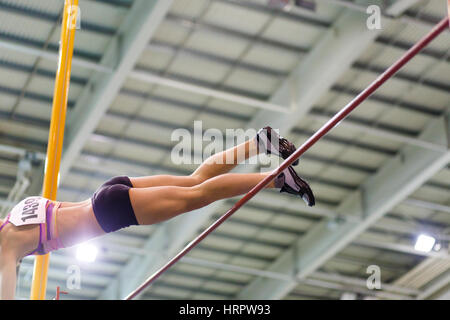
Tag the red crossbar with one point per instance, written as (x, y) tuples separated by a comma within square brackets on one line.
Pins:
[(441, 26)]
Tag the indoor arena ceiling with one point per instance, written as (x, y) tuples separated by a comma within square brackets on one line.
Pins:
[(141, 71)]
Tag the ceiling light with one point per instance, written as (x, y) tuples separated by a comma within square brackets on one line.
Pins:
[(424, 243), (87, 253)]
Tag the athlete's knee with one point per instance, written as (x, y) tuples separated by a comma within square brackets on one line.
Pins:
[(197, 178), (196, 197)]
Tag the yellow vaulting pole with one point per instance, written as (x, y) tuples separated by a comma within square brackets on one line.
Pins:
[(56, 135)]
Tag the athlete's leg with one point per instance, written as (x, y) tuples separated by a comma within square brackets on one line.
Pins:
[(225, 161), (215, 165), (156, 204)]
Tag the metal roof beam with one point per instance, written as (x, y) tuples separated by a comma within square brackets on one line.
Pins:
[(399, 247), (54, 18), (292, 13), (189, 86), (398, 7), (124, 50), (170, 49), (200, 88), (439, 288), (187, 23), (333, 55)]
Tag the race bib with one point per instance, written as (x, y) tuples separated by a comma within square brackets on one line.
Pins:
[(29, 211)]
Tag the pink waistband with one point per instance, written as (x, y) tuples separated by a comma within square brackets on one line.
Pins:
[(48, 234)]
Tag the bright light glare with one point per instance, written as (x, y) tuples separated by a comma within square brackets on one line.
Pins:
[(87, 252), (424, 243)]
